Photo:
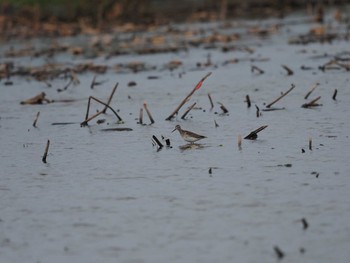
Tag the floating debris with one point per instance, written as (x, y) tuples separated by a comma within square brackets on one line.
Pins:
[(312, 103), (116, 129), (38, 99), (46, 151), (254, 134)]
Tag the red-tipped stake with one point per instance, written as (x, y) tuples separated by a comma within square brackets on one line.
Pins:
[(148, 113), (199, 84), (46, 151)]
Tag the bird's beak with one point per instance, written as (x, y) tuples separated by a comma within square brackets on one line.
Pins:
[(174, 130)]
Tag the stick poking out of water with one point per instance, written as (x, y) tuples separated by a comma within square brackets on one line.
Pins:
[(148, 112), (87, 118), (46, 151), (279, 252), (239, 142), (335, 94), (311, 90), (141, 116), (254, 134), (280, 97), (312, 103), (188, 110), (110, 98), (160, 145), (247, 100), (256, 68), (224, 109), (36, 119), (289, 71), (211, 101), (199, 84), (310, 144)]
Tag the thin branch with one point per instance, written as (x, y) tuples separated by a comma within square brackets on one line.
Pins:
[(199, 84), (280, 97)]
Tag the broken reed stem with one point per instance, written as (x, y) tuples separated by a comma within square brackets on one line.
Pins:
[(311, 90), (255, 68), (257, 111), (224, 109), (188, 110), (216, 124), (239, 142), (199, 84), (211, 101), (279, 252), (148, 112), (247, 100), (110, 97), (93, 82), (280, 97), (311, 103), (36, 119), (141, 116), (87, 119), (335, 94), (289, 71), (310, 143), (46, 151), (160, 145)]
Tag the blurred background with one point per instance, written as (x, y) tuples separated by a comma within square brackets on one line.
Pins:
[(102, 12)]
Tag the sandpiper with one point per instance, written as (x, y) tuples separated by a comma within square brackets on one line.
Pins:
[(188, 136)]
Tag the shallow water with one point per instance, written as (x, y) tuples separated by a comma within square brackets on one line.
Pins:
[(112, 197)]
